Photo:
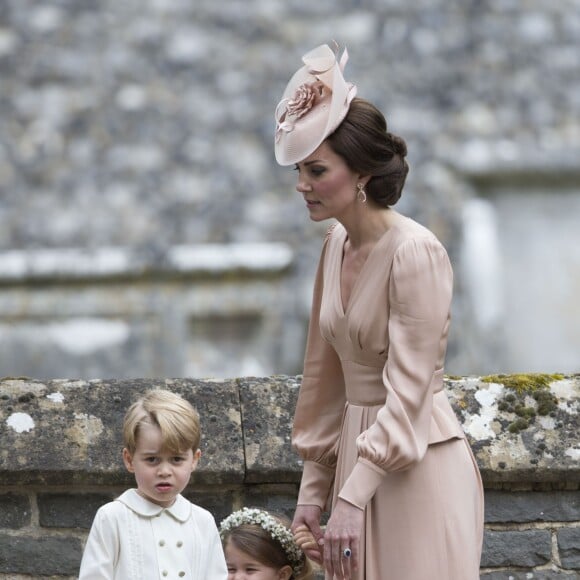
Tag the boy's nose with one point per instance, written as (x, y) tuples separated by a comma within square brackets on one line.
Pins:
[(164, 468)]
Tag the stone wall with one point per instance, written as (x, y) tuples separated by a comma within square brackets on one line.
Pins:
[(147, 125), (197, 310), (60, 459)]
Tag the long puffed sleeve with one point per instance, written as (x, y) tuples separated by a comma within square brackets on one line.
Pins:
[(319, 408), (420, 291)]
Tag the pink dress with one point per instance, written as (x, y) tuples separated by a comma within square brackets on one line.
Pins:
[(373, 423)]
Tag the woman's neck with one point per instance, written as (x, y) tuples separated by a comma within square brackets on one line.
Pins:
[(368, 227)]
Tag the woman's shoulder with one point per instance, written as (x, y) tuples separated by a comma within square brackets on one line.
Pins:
[(416, 247), (411, 232)]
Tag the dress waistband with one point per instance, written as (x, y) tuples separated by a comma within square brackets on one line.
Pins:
[(364, 384)]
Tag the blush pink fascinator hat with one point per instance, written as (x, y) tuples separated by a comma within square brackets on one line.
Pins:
[(314, 103)]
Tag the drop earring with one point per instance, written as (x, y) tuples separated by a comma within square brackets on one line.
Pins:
[(361, 194)]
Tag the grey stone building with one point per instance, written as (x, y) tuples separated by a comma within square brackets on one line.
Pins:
[(145, 229)]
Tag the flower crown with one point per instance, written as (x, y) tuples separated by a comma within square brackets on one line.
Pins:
[(279, 532)]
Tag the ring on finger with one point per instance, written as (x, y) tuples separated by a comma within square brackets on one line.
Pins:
[(347, 552)]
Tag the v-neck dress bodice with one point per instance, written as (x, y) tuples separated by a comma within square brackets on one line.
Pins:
[(372, 412)]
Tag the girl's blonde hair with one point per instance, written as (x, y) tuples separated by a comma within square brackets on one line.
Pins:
[(176, 418)]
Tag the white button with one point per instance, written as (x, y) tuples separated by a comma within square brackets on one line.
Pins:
[(179, 544), (162, 542), (164, 573), (181, 574)]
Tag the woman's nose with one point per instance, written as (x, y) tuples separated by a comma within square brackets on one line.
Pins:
[(303, 187)]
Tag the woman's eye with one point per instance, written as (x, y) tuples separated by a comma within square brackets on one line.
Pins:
[(317, 171)]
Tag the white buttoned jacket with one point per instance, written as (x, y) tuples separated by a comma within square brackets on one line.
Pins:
[(134, 539)]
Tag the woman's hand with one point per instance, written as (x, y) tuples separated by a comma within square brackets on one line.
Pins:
[(343, 531), (307, 532)]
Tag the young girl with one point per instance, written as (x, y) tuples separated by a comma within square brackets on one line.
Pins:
[(153, 532), (259, 544)]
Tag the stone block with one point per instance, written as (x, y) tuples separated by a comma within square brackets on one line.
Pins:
[(267, 410), (186, 311), (277, 499), (74, 428), (40, 557), (569, 547), (521, 507), (15, 511), (69, 510), (543, 448), (526, 548), (220, 503), (527, 575)]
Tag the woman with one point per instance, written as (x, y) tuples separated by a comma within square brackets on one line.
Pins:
[(381, 444)]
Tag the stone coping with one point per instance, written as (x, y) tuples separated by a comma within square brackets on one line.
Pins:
[(62, 264), (63, 432)]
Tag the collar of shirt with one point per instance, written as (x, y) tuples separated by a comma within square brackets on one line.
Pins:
[(180, 510)]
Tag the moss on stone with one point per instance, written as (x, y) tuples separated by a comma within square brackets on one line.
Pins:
[(527, 383), (518, 425), (547, 403), (536, 385), (525, 411)]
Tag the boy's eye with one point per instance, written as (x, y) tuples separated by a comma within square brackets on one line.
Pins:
[(151, 459)]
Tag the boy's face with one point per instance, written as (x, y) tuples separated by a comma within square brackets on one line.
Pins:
[(160, 474)]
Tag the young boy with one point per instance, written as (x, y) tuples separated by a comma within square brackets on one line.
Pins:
[(153, 532)]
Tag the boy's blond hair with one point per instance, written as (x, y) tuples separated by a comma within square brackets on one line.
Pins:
[(175, 417)]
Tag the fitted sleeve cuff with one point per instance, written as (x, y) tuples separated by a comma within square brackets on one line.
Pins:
[(362, 483), (315, 485)]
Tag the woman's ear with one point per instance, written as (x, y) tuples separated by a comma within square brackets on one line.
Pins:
[(364, 179), (128, 461), (284, 573)]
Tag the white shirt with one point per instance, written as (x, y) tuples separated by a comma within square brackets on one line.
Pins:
[(134, 539)]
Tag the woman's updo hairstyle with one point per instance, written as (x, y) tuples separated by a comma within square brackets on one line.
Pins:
[(363, 141)]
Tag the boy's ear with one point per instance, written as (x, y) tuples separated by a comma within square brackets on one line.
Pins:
[(196, 457), (128, 460), (285, 573)]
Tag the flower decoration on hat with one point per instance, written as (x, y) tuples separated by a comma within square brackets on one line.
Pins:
[(314, 103), (305, 98)]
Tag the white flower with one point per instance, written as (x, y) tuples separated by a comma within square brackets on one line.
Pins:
[(279, 532)]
